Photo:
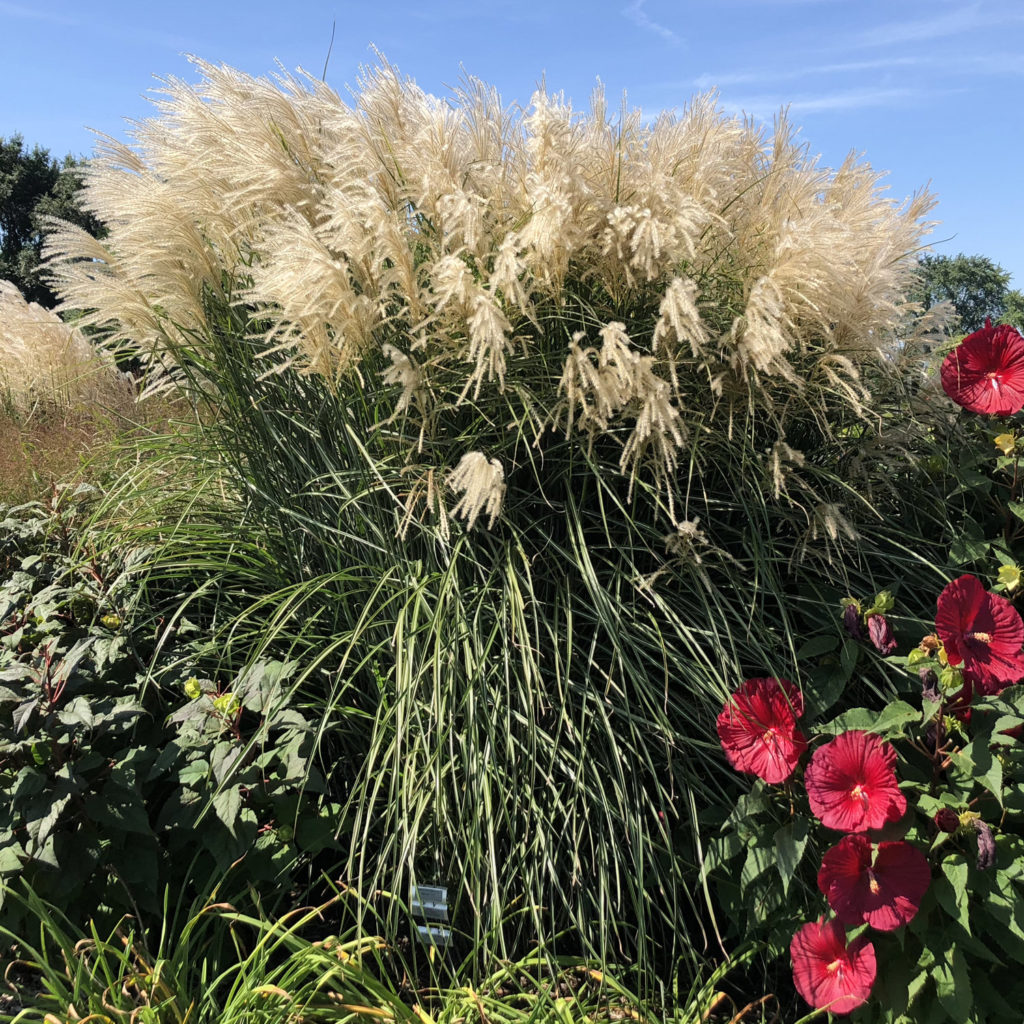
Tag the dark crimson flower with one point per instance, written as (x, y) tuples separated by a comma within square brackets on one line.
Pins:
[(851, 784), (947, 820), (851, 622), (883, 888), (1014, 732), (982, 632), (827, 972), (881, 636), (758, 730), (986, 845), (985, 372)]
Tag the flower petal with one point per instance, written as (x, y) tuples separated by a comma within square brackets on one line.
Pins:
[(827, 972), (985, 372)]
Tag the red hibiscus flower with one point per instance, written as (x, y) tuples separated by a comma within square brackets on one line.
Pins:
[(985, 372), (982, 632), (758, 730), (885, 889), (851, 784), (828, 972)]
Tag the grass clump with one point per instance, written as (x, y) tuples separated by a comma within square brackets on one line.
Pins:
[(528, 435)]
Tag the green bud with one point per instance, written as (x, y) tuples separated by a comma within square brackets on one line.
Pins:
[(192, 688), (226, 703), (111, 621), (882, 604), (951, 679)]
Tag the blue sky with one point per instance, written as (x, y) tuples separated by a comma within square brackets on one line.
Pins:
[(931, 91)]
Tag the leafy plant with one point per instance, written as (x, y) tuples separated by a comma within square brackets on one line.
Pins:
[(121, 771)]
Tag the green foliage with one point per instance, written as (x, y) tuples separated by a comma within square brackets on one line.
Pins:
[(522, 714), (1013, 309), (34, 186), (115, 781), (210, 964), (975, 286)]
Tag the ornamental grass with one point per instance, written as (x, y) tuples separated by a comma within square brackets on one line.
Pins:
[(532, 432)]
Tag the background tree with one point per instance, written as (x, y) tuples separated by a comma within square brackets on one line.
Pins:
[(34, 185), (976, 286), (1013, 310)]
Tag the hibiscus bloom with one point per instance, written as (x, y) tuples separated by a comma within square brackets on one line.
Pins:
[(758, 730), (985, 372), (828, 972), (883, 888), (981, 632), (851, 784)]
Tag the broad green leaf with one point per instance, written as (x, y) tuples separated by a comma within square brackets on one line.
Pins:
[(817, 646), (893, 717), (226, 805), (759, 859), (119, 807), (78, 712), (953, 986), (790, 842), (965, 550), (856, 718)]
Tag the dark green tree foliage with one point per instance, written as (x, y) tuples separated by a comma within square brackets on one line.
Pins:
[(1013, 308), (33, 186), (975, 285)]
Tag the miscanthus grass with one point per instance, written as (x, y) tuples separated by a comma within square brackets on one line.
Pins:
[(612, 277), (532, 424), (47, 364)]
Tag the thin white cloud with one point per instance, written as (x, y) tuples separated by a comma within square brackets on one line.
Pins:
[(956, 22), (709, 81), (636, 14), (765, 107)]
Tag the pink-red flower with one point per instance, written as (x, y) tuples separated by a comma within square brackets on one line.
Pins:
[(985, 372), (851, 784), (882, 887), (827, 972), (880, 634), (981, 632), (758, 729)]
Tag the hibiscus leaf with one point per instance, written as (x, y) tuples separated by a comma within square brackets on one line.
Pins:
[(953, 985), (966, 549), (988, 770), (759, 860), (817, 646), (790, 842), (951, 891), (226, 805), (893, 717), (855, 718)]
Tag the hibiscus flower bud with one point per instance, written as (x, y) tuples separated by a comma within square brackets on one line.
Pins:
[(881, 636), (929, 685), (986, 845), (851, 622), (947, 820)]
